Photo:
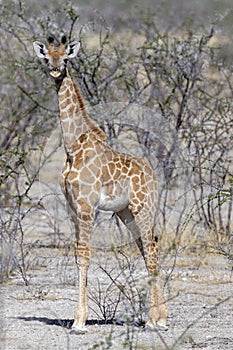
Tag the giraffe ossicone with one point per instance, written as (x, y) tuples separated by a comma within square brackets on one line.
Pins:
[(97, 177)]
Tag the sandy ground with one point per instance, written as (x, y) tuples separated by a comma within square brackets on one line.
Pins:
[(39, 316), (199, 288)]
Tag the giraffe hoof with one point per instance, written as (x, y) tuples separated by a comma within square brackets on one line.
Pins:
[(161, 324), (77, 330), (158, 326)]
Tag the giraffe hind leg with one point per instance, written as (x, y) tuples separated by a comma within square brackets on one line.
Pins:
[(128, 219), (148, 247), (158, 312)]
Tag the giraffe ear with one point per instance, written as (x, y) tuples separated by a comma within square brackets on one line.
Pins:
[(40, 49), (72, 49)]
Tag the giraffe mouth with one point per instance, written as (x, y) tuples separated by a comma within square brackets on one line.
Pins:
[(55, 72)]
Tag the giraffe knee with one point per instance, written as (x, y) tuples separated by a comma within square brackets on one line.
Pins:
[(82, 254)]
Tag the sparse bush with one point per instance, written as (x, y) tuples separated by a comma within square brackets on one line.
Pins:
[(118, 286), (166, 96)]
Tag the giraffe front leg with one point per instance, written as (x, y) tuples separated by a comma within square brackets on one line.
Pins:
[(83, 261), (81, 313)]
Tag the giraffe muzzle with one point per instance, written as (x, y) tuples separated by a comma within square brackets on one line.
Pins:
[(55, 72)]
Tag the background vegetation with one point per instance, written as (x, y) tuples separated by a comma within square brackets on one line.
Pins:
[(158, 79)]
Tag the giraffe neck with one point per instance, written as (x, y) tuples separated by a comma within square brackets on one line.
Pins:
[(74, 119)]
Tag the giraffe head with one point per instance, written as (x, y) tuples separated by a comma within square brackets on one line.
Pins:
[(56, 57)]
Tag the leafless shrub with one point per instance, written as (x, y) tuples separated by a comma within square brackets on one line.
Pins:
[(105, 298), (167, 98), (120, 295)]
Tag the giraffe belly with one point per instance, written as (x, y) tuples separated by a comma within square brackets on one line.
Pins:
[(111, 202)]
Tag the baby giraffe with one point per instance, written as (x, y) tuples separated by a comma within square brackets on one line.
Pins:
[(96, 177)]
